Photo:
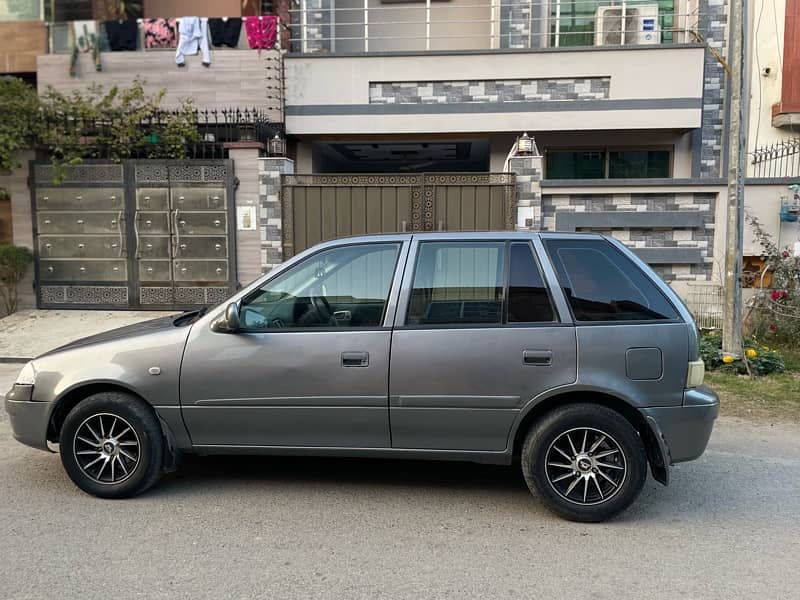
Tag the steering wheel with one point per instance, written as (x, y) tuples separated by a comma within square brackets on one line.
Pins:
[(323, 309)]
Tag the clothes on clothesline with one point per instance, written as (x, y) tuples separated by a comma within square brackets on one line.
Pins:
[(193, 38), (122, 35), (160, 33), (225, 32), (85, 41), (261, 32), (85, 33)]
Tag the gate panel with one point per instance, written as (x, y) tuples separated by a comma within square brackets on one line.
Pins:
[(150, 234), (80, 233), (184, 233), (323, 207), (473, 202)]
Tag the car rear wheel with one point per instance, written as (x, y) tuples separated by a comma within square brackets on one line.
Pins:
[(585, 461), (112, 445)]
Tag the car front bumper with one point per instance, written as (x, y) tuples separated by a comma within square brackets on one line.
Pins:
[(29, 419), (684, 431)]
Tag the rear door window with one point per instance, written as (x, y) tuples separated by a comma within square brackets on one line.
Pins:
[(458, 283), (602, 284)]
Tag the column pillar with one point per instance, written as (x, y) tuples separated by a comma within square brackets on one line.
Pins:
[(528, 169), (248, 241), (270, 172)]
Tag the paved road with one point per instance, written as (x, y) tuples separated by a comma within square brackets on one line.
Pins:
[(278, 528)]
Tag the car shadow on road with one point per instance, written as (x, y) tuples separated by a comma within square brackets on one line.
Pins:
[(707, 490)]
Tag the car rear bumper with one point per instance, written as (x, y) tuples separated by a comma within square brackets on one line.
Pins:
[(28, 419), (684, 430)]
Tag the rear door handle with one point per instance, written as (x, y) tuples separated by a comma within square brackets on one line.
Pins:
[(355, 359), (537, 357)]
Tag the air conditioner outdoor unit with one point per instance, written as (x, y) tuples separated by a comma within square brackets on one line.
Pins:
[(641, 25)]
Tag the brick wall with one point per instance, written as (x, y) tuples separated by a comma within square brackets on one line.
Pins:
[(654, 239), (713, 22), (270, 172), (501, 90)]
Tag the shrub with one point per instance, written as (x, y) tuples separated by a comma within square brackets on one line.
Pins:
[(14, 263), (761, 359), (774, 314)]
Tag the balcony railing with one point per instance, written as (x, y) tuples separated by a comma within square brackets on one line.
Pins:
[(216, 129), (380, 26)]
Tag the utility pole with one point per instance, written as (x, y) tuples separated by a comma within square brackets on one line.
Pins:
[(737, 165)]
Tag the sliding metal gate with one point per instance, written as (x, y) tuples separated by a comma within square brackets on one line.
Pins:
[(140, 234), (316, 208)]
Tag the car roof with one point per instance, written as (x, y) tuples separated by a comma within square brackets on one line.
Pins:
[(466, 235)]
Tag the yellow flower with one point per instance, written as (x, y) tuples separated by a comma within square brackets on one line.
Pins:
[(727, 359), (751, 353)]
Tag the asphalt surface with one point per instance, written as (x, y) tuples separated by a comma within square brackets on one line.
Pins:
[(278, 528)]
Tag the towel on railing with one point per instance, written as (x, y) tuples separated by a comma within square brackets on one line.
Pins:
[(122, 35), (160, 33), (261, 32), (193, 38), (225, 32)]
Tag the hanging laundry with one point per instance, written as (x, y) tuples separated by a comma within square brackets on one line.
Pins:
[(160, 33), (85, 35), (85, 41), (261, 32), (122, 35), (225, 32), (193, 38)]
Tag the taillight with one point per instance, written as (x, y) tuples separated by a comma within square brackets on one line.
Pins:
[(696, 373)]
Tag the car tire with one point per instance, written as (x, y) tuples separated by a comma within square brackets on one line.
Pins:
[(585, 461), (112, 445)]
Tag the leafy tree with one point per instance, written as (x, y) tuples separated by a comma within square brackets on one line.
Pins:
[(20, 122)]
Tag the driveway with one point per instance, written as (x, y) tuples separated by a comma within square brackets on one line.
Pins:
[(230, 528)]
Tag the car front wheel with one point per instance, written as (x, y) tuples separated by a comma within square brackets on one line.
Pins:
[(112, 445), (585, 461)]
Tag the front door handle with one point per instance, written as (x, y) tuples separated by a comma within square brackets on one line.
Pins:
[(355, 359), (537, 357)]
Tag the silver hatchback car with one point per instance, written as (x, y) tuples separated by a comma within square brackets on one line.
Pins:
[(562, 351)]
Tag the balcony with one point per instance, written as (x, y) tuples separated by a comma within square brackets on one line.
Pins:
[(238, 77), (375, 26)]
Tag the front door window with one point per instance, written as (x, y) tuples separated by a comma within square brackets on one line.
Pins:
[(346, 286)]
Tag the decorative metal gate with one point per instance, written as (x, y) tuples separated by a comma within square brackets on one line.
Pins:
[(140, 234), (316, 208)]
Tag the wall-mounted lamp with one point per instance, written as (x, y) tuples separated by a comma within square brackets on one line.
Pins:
[(277, 146), (524, 144)]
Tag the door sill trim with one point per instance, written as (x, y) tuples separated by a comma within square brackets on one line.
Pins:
[(501, 457)]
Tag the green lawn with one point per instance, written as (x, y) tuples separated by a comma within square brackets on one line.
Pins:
[(775, 396)]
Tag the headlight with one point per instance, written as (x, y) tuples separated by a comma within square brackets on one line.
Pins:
[(28, 374)]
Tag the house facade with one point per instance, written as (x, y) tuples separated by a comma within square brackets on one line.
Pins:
[(582, 115)]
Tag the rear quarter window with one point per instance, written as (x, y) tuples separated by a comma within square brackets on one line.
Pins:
[(602, 284)]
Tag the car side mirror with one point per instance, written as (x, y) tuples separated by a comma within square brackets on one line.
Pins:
[(229, 321)]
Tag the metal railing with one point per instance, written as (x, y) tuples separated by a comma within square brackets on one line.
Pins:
[(364, 26), (705, 302), (779, 159), (215, 129)]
